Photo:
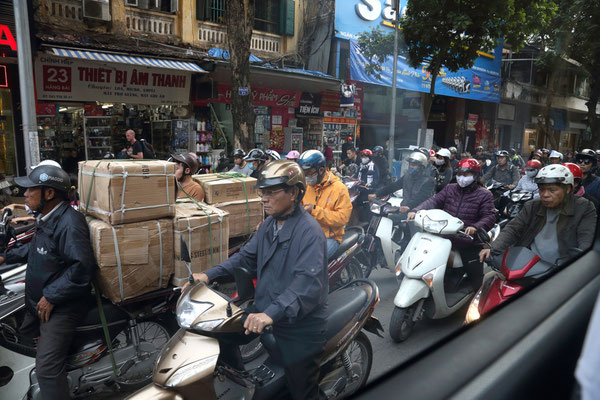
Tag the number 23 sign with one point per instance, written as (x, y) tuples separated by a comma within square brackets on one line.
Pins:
[(56, 78)]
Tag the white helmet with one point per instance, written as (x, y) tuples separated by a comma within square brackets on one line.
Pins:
[(273, 154), (46, 162), (555, 154), (418, 158), (443, 153), (555, 173)]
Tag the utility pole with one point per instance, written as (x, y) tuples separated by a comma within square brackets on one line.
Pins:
[(391, 153), (30, 136)]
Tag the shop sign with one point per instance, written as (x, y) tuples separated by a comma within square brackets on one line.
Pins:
[(310, 104), (7, 38), (264, 97), (330, 101), (3, 76), (472, 120), (347, 96), (68, 79), (339, 120), (355, 16), (46, 109)]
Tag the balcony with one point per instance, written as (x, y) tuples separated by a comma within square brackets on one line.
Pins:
[(150, 23), (70, 10), (211, 34)]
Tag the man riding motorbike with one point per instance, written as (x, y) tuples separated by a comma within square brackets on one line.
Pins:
[(453, 160), (442, 163), (256, 160), (503, 172), (326, 198), (60, 267), (381, 161), (368, 171), (241, 166), (289, 255), (474, 205), (527, 182), (187, 165), (586, 159), (553, 225)]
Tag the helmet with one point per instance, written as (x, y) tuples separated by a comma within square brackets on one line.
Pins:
[(418, 158), (575, 170), (273, 154), (598, 152), (533, 164), (256, 155), (378, 150), (282, 172), (502, 153), (453, 150), (588, 154), (538, 153), (46, 162), (239, 153), (293, 155), (349, 138), (424, 150), (545, 151), (468, 165), (367, 153), (443, 153), (188, 160), (46, 176), (312, 159), (479, 148), (555, 154), (555, 173), (512, 151)]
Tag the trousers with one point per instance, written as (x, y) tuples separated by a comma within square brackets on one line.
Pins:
[(474, 268), (302, 378), (55, 338)]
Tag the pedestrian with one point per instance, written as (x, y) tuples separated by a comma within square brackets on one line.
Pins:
[(134, 148)]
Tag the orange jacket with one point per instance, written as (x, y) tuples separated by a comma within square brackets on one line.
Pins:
[(332, 206)]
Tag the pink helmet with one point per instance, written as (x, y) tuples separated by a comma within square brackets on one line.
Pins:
[(293, 155)]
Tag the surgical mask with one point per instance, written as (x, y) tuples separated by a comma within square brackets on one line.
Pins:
[(364, 160), (531, 174), (439, 162), (312, 180), (251, 166), (464, 181), (412, 170)]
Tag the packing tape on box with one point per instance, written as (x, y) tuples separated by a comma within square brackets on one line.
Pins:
[(189, 231)]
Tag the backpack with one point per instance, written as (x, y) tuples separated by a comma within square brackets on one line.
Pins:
[(149, 153)]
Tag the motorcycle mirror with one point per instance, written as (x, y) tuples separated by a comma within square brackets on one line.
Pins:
[(244, 284), (185, 254)]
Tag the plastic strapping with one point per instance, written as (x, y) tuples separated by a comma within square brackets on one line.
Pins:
[(105, 327), (119, 267), (87, 203), (188, 222), (161, 254), (122, 210)]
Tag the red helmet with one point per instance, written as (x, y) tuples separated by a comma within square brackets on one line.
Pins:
[(431, 153), (533, 164), (575, 170), (468, 165), (349, 138), (367, 152)]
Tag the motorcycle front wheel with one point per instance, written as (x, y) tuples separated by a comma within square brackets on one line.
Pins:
[(401, 324)]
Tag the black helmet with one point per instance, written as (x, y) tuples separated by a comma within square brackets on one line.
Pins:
[(239, 153), (46, 176), (256, 155), (512, 151), (479, 148), (188, 160), (588, 154), (378, 150)]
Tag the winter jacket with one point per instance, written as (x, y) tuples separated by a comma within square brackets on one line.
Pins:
[(473, 205), (575, 227), (369, 174), (509, 175), (444, 178), (528, 184), (592, 186), (416, 188), (332, 205), (60, 261), (384, 171)]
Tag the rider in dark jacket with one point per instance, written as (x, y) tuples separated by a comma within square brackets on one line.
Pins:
[(60, 267)]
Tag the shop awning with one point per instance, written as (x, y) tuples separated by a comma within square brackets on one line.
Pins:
[(123, 59)]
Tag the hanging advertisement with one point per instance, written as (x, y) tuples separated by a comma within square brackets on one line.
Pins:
[(264, 97), (310, 105), (355, 16), (68, 79), (481, 82)]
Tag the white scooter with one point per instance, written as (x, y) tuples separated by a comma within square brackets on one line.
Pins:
[(433, 282)]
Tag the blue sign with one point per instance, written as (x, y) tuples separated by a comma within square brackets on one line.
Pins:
[(243, 91), (355, 16), (481, 82)]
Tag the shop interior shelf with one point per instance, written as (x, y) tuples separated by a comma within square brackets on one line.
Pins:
[(99, 137), (90, 127), (99, 147)]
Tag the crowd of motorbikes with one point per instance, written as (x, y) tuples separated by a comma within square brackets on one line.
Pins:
[(170, 343)]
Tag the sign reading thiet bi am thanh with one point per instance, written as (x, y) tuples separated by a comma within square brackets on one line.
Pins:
[(68, 79)]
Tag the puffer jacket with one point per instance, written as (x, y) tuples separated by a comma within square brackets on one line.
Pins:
[(592, 186), (509, 175), (473, 205), (332, 205), (416, 188), (60, 261)]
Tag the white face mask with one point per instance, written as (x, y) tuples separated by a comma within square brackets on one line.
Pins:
[(439, 162), (531, 174), (311, 180), (464, 181), (365, 160)]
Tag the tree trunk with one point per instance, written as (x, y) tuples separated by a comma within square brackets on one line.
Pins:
[(426, 102), (552, 141), (592, 104), (240, 20)]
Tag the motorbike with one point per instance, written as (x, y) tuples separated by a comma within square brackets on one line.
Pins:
[(358, 197), (432, 279), (517, 200), (192, 364), (15, 230), (7, 190)]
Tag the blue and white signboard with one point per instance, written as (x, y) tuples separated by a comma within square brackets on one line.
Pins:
[(355, 16)]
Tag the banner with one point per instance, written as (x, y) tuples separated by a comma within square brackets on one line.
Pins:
[(355, 16), (69, 79), (310, 105), (264, 97), (481, 82)]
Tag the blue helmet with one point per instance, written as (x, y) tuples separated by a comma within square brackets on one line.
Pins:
[(312, 159)]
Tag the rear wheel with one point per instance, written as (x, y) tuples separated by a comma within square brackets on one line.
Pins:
[(401, 324), (352, 272), (357, 360)]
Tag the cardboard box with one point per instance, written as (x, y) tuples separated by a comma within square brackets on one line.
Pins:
[(206, 234), (121, 192), (145, 257), (243, 216), (226, 187)]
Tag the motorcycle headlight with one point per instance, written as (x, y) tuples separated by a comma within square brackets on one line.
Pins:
[(473, 311), (188, 310), (434, 226), (375, 208), (197, 368), (516, 196), (208, 325)]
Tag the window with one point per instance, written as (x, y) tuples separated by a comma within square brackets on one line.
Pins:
[(168, 6), (267, 15), (211, 11)]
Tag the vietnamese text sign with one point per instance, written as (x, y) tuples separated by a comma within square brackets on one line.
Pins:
[(265, 97), (68, 79), (355, 16)]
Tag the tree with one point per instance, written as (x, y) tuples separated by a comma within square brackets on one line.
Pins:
[(239, 22), (449, 33)]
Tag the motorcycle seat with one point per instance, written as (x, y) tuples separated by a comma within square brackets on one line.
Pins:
[(111, 311), (342, 306), (351, 236)]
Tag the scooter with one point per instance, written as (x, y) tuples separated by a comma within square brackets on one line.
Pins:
[(192, 365), (14, 230), (517, 200), (358, 197), (433, 281)]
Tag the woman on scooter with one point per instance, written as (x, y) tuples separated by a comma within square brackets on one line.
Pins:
[(442, 163), (557, 217), (474, 205), (527, 181)]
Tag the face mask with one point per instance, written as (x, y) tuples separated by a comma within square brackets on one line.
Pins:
[(364, 160), (464, 181), (312, 180), (439, 162), (531, 174), (251, 166), (412, 170)]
